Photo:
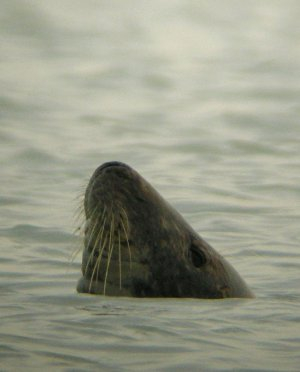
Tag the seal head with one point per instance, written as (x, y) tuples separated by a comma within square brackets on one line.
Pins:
[(137, 244)]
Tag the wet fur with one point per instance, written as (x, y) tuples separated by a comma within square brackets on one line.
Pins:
[(136, 244)]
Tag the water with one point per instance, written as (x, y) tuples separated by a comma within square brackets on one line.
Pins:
[(202, 98)]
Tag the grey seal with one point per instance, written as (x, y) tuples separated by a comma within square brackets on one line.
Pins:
[(137, 244)]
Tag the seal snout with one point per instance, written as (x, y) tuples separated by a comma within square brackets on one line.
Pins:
[(114, 167), (112, 164)]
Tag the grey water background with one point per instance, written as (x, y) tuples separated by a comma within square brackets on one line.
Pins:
[(202, 98)]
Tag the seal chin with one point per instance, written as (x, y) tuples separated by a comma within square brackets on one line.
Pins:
[(136, 244)]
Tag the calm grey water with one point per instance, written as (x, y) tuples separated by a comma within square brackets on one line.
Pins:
[(203, 99)]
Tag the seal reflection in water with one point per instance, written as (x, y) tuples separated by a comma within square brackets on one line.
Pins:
[(136, 244)]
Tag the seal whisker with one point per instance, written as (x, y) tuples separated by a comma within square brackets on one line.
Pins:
[(99, 236), (110, 247), (74, 254), (92, 217), (100, 245), (98, 261), (77, 249), (120, 259), (97, 243), (96, 268), (126, 235), (79, 213), (126, 217), (78, 230)]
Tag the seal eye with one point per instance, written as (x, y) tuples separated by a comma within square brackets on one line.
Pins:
[(197, 256)]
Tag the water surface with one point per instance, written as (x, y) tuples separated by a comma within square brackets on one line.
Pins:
[(202, 98)]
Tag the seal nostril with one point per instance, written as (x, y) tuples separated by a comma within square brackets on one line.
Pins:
[(112, 164)]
